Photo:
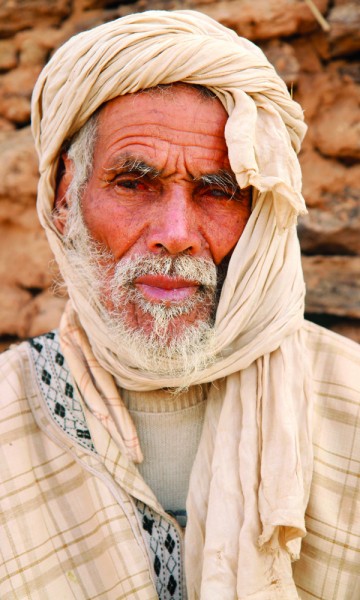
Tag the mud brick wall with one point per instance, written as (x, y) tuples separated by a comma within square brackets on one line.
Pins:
[(316, 53)]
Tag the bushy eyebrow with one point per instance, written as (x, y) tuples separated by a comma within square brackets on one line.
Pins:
[(131, 164), (225, 180)]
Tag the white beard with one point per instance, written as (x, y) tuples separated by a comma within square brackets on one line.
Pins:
[(166, 349)]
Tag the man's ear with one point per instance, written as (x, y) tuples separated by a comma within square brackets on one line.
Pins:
[(66, 173)]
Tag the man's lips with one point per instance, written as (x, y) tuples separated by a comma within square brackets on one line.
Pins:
[(162, 288), (165, 282)]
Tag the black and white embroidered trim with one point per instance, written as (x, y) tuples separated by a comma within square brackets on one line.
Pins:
[(58, 388), (165, 552)]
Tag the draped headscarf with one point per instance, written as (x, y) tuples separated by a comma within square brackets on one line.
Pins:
[(250, 481)]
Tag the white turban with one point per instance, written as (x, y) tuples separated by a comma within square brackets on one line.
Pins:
[(261, 415)]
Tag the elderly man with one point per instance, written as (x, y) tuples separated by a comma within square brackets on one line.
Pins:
[(160, 444)]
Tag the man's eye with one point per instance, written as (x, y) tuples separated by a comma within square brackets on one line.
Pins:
[(128, 183), (221, 193)]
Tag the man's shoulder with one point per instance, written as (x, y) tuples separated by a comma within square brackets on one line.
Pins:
[(332, 355), (14, 365), (17, 384), (327, 340), (332, 515), (335, 366), (25, 367)]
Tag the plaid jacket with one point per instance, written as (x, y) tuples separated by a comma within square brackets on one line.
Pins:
[(69, 525)]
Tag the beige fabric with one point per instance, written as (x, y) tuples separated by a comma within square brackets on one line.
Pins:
[(68, 526), (260, 353), (169, 429)]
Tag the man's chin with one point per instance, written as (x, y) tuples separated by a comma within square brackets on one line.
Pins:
[(167, 322), (176, 347), (167, 331)]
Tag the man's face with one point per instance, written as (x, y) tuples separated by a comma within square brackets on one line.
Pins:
[(162, 188)]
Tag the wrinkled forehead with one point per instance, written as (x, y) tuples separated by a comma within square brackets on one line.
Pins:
[(174, 95), (180, 101), (164, 126)]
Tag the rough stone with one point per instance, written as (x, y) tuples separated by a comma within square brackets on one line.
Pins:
[(319, 40), (306, 55), (336, 128), (312, 91), (18, 167), (15, 108), (32, 53), (16, 15), (13, 304), (15, 92), (283, 57), (26, 256), (344, 34), (20, 80), (5, 126), (325, 178), (333, 228), (22, 215), (333, 285), (351, 70), (332, 108), (8, 55), (91, 4), (40, 37), (265, 19)]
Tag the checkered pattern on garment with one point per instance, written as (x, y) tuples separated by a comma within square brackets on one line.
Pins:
[(165, 549), (60, 394), (58, 389)]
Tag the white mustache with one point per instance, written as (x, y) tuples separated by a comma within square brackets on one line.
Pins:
[(200, 270)]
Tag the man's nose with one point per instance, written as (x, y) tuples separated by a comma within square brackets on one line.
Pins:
[(175, 227)]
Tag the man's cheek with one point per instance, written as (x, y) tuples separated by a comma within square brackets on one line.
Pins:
[(223, 234)]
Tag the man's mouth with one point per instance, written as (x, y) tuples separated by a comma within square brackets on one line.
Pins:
[(162, 288)]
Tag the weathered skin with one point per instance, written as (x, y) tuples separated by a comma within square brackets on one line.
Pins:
[(180, 134)]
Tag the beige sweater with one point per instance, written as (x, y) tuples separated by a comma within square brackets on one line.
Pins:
[(169, 428)]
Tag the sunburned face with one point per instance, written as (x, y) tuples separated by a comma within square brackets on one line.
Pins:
[(162, 187)]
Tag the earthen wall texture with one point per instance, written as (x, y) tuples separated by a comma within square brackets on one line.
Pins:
[(316, 53)]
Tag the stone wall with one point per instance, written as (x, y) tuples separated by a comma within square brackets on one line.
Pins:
[(315, 53)]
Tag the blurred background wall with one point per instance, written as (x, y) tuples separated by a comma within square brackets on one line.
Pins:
[(314, 45)]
